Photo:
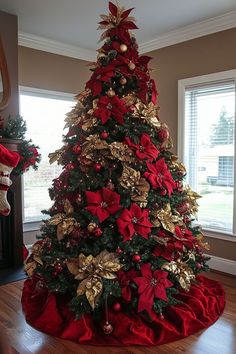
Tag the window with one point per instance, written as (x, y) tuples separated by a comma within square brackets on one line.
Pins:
[(206, 143), (44, 112)]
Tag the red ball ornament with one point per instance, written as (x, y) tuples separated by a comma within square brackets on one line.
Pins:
[(78, 199), (198, 265), (183, 208), (70, 166), (98, 232), (104, 135), (97, 167), (163, 191), (136, 258), (107, 328), (163, 135), (54, 274), (119, 250), (77, 149), (116, 307), (58, 268)]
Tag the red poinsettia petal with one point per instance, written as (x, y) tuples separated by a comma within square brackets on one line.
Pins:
[(96, 88), (102, 214), (93, 197), (126, 293), (146, 300), (104, 115), (113, 8), (135, 210), (160, 292), (126, 13), (143, 284), (142, 231), (129, 25), (103, 22), (144, 59), (146, 270)]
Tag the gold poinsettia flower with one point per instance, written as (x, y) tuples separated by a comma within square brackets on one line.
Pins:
[(90, 270), (121, 152), (95, 149), (165, 218), (34, 259), (149, 113), (139, 187), (82, 96), (191, 198), (182, 271), (65, 224), (56, 156), (201, 241), (177, 165)]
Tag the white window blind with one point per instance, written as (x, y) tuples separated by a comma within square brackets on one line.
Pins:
[(44, 114), (208, 150)]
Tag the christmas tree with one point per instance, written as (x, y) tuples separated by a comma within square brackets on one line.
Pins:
[(119, 242)]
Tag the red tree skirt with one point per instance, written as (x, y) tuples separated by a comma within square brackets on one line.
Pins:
[(201, 307)]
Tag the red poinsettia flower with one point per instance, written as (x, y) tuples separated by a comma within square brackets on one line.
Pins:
[(100, 75), (175, 244), (184, 237), (110, 106), (124, 279), (145, 149), (118, 19), (151, 285), (103, 203), (159, 175), (134, 220)]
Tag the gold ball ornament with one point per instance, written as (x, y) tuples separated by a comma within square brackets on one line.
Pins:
[(131, 66), (123, 48), (123, 80), (91, 227), (111, 93)]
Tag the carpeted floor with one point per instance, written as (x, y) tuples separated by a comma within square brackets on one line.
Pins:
[(12, 274)]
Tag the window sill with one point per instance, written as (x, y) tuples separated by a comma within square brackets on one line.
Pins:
[(219, 235), (32, 226)]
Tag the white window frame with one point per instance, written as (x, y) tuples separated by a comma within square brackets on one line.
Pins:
[(182, 85), (32, 91)]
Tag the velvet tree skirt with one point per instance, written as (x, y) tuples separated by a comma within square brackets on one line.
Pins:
[(200, 308)]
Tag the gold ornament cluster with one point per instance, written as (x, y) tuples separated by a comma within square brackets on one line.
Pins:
[(90, 271), (182, 272)]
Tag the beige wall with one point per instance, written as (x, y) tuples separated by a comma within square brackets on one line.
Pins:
[(44, 70), (213, 53)]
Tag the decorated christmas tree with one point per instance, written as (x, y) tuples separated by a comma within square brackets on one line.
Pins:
[(119, 257)]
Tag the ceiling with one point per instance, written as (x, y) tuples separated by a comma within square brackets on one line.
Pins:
[(73, 23)]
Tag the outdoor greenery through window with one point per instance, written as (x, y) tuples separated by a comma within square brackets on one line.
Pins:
[(44, 114), (208, 149)]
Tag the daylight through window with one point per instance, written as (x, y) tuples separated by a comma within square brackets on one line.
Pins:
[(44, 114), (208, 147)]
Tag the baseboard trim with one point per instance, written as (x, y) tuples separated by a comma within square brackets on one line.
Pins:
[(222, 264)]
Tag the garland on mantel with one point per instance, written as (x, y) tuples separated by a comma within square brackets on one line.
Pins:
[(29, 155)]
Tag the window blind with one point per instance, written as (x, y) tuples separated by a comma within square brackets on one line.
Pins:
[(209, 150)]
